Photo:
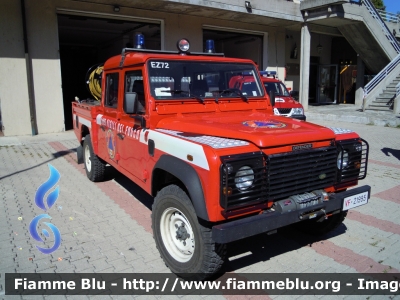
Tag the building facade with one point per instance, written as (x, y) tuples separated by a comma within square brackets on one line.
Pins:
[(47, 47)]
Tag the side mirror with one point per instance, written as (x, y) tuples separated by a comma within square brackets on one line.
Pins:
[(130, 102), (294, 95), (272, 97)]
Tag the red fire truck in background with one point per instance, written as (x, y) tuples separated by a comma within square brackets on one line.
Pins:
[(285, 104)]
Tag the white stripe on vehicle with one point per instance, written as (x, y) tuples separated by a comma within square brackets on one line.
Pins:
[(98, 119), (337, 130), (177, 147), (170, 145), (215, 142), (85, 122)]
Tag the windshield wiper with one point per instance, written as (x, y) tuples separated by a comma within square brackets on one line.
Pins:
[(235, 91), (193, 96)]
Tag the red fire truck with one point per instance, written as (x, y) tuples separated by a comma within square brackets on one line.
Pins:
[(218, 162), (285, 104)]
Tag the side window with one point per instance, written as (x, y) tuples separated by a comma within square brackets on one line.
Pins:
[(112, 90), (134, 84)]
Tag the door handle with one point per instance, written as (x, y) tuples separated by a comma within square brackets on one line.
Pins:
[(120, 136)]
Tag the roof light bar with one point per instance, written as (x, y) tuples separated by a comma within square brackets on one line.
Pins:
[(268, 73)]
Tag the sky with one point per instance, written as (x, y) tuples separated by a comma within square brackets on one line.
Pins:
[(392, 6)]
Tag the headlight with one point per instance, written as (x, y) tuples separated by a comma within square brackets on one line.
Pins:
[(345, 159), (244, 178), (298, 111)]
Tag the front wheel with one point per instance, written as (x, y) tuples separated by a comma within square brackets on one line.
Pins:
[(185, 245)]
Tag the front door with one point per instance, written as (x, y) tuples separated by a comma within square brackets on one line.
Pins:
[(133, 153), (327, 82)]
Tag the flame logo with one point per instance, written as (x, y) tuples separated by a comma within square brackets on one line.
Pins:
[(34, 233), (45, 187), (40, 202)]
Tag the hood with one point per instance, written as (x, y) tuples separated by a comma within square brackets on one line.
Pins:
[(286, 102), (263, 130)]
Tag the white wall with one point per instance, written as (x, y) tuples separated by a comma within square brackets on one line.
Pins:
[(14, 99), (41, 25), (44, 49)]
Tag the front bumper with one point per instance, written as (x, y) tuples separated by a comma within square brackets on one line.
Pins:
[(299, 117), (249, 226)]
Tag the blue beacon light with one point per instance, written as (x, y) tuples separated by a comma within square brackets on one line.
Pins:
[(139, 41), (210, 46)]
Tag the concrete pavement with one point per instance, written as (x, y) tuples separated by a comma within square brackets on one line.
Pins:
[(352, 114), (106, 227)]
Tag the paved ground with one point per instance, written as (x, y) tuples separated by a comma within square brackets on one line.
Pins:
[(105, 227), (352, 114)]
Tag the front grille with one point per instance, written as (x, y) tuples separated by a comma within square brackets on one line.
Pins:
[(277, 176), (284, 111), (299, 172)]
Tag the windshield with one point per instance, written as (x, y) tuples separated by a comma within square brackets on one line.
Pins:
[(198, 79), (278, 87)]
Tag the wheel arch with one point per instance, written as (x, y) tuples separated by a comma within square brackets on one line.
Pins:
[(84, 132), (79, 150), (187, 175)]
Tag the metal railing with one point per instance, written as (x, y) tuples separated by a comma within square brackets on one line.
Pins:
[(381, 75), (374, 13), (392, 65), (388, 16)]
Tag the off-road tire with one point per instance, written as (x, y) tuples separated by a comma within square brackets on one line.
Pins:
[(95, 168), (200, 256), (320, 228)]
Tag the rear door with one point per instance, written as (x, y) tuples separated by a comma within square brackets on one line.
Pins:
[(107, 122)]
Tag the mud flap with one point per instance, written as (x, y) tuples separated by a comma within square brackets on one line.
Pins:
[(79, 154)]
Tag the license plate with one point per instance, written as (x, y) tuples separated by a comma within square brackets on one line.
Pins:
[(355, 200)]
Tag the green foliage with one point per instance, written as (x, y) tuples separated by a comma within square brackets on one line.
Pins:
[(379, 4)]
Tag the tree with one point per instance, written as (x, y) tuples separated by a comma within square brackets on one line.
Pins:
[(379, 4)]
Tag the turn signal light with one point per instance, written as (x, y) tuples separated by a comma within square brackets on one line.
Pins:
[(227, 191)]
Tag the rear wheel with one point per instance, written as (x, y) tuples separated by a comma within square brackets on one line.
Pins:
[(94, 167), (319, 228), (185, 245)]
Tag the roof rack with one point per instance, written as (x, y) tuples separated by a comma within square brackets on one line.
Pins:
[(128, 50)]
